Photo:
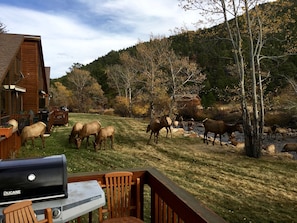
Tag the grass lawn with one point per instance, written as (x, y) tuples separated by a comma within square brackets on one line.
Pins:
[(238, 188)]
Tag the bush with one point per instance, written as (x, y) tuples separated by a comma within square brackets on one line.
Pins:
[(281, 118), (108, 111), (121, 106), (140, 110)]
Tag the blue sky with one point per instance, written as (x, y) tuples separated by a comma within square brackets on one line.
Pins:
[(80, 31)]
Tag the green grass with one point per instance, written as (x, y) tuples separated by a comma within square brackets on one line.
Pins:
[(238, 188)]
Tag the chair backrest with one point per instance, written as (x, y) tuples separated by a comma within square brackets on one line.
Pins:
[(22, 212), (118, 193)]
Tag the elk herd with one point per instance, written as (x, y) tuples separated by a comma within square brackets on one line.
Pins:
[(80, 131), (219, 128)]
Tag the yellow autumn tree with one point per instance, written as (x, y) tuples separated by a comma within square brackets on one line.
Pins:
[(61, 96), (87, 93)]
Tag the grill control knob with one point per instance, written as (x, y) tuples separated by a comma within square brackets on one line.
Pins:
[(31, 177), (56, 213)]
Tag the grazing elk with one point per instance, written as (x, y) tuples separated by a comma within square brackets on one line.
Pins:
[(88, 129), (14, 123), (75, 131), (219, 127), (103, 134), (32, 131)]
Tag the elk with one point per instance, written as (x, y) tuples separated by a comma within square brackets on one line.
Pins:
[(88, 129), (33, 131), (75, 131), (219, 127), (290, 147), (156, 125), (103, 134)]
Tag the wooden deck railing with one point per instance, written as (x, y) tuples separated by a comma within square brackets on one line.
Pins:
[(9, 146), (57, 117), (168, 202)]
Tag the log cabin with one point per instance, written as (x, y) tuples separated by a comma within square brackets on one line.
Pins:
[(24, 82), (23, 76)]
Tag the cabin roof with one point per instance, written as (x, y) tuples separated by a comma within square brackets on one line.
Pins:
[(9, 47)]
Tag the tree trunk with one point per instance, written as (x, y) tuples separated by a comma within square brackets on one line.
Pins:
[(130, 101), (254, 141), (253, 145), (248, 143), (152, 112)]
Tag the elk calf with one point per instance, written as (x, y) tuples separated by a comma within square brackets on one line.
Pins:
[(103, 134)]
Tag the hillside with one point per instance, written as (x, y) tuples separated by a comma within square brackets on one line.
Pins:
[(210, 49)]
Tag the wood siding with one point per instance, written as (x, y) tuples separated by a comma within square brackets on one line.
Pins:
[(30, 68)]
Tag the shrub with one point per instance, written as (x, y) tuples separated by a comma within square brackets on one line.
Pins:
[(121, 106), (108, 111), (140, 110)]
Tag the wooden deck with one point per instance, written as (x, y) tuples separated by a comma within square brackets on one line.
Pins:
[(56, 117), (168, 202)]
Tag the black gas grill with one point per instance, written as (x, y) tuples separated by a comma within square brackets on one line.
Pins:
[(34, 179)]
